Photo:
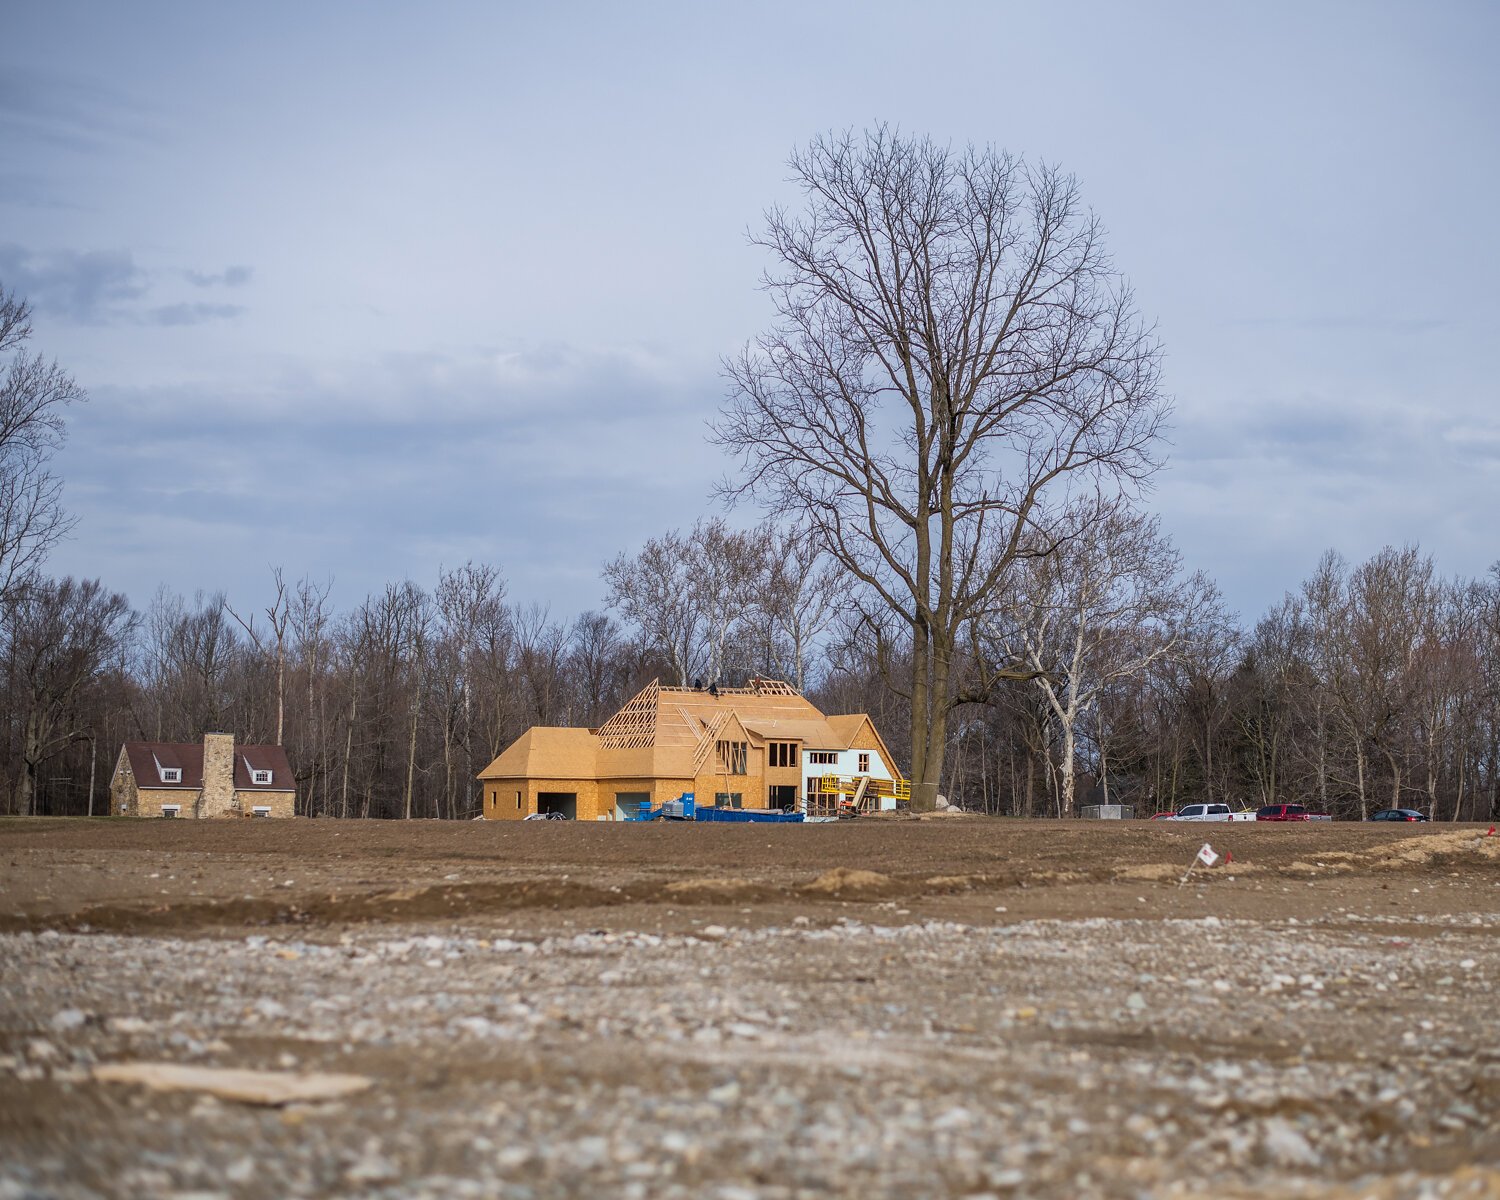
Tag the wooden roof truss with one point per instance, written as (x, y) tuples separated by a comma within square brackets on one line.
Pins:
[(634, 726)]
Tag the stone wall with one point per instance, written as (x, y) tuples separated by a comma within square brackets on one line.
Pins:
[(281, 804), (218, 776)]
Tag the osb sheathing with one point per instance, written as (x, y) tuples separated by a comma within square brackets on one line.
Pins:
[(665, 742)]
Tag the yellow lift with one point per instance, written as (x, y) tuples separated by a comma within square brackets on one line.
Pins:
[(857, 792)]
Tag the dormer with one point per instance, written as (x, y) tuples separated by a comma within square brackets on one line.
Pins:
[(167, 774), (259, 776)]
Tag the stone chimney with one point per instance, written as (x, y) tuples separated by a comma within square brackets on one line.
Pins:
[(218, 776)]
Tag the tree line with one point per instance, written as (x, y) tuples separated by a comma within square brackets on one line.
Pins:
[(1368, 686)]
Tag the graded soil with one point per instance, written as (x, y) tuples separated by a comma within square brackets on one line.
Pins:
[(938, 1006)]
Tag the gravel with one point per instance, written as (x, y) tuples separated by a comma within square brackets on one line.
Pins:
[(872, 1055)]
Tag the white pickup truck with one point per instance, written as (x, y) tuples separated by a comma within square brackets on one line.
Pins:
[(1211, 812)]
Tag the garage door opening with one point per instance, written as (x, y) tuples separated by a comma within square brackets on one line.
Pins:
[(558, 802)]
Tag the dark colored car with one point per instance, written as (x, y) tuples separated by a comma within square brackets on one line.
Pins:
[(1397, 814), (1282, 812)]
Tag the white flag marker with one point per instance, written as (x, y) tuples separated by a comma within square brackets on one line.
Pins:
[(1207, 856)]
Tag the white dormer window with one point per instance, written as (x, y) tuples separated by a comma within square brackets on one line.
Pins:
[(170, 774), (259, 776)]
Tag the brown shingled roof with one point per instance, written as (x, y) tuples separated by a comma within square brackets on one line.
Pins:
[(188, 758), (262, 758)]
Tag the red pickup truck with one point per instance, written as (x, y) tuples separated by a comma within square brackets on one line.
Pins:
[(1287, 812)]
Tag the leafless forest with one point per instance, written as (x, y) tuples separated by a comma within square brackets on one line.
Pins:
[(1369, 685)]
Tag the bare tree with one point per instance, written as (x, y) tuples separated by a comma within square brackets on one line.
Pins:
[(954, 346), (312, 656), (797, 600), (596, 660), (1369, 625), (687, 595), (278, 617), (470, 601), (541, 656), (193, 654), (59, 636), (1102, 608), (33, 394)]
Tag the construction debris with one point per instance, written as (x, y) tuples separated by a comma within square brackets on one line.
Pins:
[(270, 1088)]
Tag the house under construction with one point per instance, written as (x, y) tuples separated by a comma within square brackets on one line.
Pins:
[(760, 746)]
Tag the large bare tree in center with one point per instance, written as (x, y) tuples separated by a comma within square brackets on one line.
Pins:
[(954, 350)]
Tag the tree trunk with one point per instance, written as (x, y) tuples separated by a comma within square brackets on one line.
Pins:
[(93, 762), (1463, 763), (280, 691), (923, 797), (348, 754), (411, 762), (1359, 763), (1065, 792)]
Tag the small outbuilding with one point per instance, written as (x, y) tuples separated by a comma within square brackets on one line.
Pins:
[(214, 779)]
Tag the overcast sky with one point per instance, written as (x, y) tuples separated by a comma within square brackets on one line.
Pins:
[(363, 290)]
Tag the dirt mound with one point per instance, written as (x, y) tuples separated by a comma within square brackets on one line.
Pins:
[(845, 881), (709, 890), (1419, 852), (952, 883), (1151, 872)]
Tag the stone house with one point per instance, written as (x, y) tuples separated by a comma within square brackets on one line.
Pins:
[(761, 746), (215, 779)]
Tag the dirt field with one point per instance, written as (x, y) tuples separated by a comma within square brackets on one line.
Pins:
[(940, 1007)]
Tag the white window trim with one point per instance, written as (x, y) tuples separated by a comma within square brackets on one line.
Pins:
[(261, 810), (167, 774), (174, 810)]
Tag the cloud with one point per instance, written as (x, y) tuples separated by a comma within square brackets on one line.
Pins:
[(545, 461), (193, 314), (1330, 323), (55, 110), (87, 287), (21, 190), (236, 276), (106, 287)]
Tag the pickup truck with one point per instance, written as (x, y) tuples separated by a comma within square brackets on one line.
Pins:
[(1211, 812)]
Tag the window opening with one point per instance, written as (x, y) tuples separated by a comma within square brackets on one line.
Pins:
[(733, 757)]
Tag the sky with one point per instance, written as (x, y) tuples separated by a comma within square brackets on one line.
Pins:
[(367, 290)]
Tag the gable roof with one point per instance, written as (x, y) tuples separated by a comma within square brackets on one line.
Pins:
[(674, 716), (849, 727), (670, 732), (187, 757)]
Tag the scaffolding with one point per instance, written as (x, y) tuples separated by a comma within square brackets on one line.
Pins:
[(850, 794)]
